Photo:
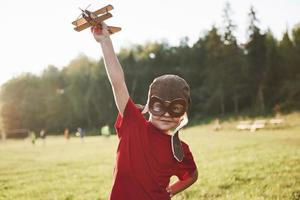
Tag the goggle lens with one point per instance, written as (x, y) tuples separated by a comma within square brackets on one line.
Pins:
[(178, 108)]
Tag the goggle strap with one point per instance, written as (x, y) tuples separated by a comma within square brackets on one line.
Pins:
[(177, 148), (175, 141)]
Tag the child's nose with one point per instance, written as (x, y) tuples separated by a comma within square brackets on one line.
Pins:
[(167, 114)]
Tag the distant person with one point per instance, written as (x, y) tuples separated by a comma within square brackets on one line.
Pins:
[(277, 110), (67, 134), (32, 137), (149, 151), (217, 125), (80, 133), (105, 131), (43, 136)]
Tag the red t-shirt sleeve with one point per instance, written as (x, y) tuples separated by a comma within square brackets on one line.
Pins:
[(187, 166), (132, 119)]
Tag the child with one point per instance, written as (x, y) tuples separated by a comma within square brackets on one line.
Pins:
[(144, 161)]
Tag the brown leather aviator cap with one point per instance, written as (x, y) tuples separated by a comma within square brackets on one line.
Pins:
[(169, 87)]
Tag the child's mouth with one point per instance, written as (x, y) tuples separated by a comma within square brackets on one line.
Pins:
[(163, 120)]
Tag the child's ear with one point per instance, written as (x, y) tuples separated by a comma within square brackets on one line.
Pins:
[(145, 110)]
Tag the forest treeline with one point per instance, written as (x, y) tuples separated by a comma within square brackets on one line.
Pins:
[(226, 78)]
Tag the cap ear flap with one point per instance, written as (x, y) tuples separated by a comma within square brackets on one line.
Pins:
[(146, 109)]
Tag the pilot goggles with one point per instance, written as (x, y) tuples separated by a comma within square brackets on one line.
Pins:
[(176, 107)]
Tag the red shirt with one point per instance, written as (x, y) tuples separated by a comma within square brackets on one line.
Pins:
[(145, 162)]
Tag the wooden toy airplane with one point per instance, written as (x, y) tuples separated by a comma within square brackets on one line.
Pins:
[(94, 19)]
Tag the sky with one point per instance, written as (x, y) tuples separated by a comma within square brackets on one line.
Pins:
[(38, 33)]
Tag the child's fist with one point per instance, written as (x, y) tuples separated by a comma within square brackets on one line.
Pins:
[(100, 33), (97, 30)]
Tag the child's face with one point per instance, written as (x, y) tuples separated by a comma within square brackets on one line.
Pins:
[(165, 122)]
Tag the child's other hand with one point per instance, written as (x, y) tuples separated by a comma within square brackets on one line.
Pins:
[(169, 190), (100, 33)]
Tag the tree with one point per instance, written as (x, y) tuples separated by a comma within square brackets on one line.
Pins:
[(256, 61), (52, 82), (273, 71), (229, 26), (289, 51), (22, 105), (214, 73), (233, 61)]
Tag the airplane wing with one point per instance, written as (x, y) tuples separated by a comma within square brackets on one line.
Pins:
[(82, 26), (103, 17), (113, 29), (79, 22), (103, 10), (98, 20)]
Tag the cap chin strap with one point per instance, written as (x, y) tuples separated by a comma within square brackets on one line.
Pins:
[(175, 141)]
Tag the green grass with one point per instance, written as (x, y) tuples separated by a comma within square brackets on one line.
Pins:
[(232, 165)]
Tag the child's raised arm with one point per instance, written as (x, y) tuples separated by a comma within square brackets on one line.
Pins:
[(113, 68)]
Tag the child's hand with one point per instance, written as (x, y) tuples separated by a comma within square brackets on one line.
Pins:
[(100, 33), (169, 190)]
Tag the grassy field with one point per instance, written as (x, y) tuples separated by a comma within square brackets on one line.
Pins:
[(232, 165)]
